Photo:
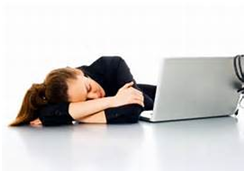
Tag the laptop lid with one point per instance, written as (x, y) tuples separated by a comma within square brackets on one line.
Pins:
[(195, 88)]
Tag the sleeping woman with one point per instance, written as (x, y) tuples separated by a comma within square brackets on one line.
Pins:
[(103, 92)]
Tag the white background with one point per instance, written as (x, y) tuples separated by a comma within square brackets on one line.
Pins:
[(38, 36)]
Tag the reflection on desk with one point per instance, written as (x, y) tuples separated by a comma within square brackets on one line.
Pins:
[(204, 144)]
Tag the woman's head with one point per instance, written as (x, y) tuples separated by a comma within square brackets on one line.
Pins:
[(70, 85), (54, 89), (56, 84), (60, 85)]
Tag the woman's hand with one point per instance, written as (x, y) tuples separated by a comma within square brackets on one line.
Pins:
[(36, 122), (128, 95)]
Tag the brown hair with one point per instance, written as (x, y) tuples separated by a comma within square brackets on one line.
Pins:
[(52, 90)]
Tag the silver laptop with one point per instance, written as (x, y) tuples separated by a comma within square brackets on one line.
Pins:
[(190, 88)]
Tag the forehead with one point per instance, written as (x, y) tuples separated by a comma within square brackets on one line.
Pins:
[(76, 88), (78, 71), (79, 77)]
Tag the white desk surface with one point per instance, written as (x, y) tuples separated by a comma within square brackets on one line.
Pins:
[(204, 144)]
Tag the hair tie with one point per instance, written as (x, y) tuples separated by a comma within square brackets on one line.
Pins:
[(44, 88)]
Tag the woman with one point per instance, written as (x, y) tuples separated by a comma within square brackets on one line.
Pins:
[(104, 92)]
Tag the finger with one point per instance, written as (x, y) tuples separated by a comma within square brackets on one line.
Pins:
[(35, 122), (134, 90), (137, 92), (139, 98), (138, 95), (127, 85), (140, 102)]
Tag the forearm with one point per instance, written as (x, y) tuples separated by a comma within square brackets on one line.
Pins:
[(117, 115), (98, 117), (80, 110)]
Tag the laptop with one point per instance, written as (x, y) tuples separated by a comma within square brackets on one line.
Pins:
[(190, 88)]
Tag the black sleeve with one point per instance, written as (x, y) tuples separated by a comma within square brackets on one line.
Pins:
[(55, 114), (121, 74), (123, 114)]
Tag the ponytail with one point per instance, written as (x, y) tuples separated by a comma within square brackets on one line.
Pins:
[(53, 90), (33, 99)]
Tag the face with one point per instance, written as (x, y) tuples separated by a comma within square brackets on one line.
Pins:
[(83, 88)]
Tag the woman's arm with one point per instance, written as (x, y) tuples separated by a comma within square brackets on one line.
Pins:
[(80, 110), (122, 114), (94, 109), (98, 117)]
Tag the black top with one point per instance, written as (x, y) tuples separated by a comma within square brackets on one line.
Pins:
[(111, 73)]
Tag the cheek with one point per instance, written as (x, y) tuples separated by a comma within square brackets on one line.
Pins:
[(94, 87), (77, 94), (82, 95)]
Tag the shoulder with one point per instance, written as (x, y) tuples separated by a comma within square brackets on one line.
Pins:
[(102, 62), (110, 59), (108, 62), (103, 65)]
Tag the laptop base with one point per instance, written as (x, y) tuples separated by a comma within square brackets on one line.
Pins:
[(146, 119)]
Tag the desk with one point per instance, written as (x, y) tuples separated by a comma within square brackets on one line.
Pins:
[(204, 144)]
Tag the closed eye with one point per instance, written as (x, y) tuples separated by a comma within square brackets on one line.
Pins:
[(88, 88)]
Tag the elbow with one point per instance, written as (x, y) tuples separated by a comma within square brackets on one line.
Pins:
[(134, 113), (124, 114)]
